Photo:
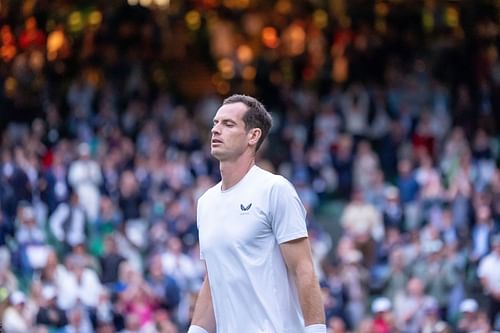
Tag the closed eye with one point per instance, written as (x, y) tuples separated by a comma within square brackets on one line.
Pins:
[(226, 122)]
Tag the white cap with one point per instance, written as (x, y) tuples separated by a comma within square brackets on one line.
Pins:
[(353, 256), (84, 149), (468, 305), (49, 292), (17, 297), (381, 304), (392, 192)]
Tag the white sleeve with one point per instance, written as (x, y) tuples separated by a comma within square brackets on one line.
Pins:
[(287, 212), (482, 268), (198, 216), (56, 221)]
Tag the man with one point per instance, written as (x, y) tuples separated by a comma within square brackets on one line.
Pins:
[(49, 313), (488, 272), (253, 238)]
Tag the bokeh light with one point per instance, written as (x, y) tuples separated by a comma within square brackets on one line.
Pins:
[(193, 19), (270, 37), (320, 18), (95, 18), (145, 3), (249, 73), (10, 86), (244, 54), (226, 67), (75, 21)]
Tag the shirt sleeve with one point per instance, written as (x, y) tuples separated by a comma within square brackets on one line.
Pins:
[(198, 216), (287, 212), (482, 268)]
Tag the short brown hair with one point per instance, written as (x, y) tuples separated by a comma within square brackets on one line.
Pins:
[(256, 116)]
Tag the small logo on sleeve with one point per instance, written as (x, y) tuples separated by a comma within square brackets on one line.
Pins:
[(245, 208)]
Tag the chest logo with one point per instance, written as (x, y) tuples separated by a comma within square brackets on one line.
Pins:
[(245, 209)]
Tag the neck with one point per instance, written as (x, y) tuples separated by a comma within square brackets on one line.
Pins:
[(233, 171)]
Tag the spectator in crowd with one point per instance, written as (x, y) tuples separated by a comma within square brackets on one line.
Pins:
[(110, 262), (80, 286), (15, 319), (489, 273), (336, 325), (363, 222), (49, 314), (468, 321), (30, 238), (78, 321), (54, 185), (164, 287), (84, 175), (355, 278), (410, 305), (397, 276), (178, 265), (383, 321), (8, 280), (69, 223)]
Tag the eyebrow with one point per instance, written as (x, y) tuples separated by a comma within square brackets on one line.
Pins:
[(225, 121)]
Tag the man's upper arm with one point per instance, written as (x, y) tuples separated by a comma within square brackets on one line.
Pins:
[(297, 255)]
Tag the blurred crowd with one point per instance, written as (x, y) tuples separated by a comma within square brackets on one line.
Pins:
[(390, 137)]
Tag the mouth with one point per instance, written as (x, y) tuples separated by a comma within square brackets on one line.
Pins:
[(216, 141)]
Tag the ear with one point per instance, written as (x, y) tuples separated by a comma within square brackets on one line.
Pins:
[(254, 135)]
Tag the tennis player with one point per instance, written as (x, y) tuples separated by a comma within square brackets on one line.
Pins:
[(253, 238)]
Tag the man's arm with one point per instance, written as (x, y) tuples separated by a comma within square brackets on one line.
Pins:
[(203, 315), (298, 258)]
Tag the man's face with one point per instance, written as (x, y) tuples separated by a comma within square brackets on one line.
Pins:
[(229, 136)]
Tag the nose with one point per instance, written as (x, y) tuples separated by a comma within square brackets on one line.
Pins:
[(215, 129)]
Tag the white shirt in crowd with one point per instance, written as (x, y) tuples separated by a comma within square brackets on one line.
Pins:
[(14, 321), (76, 229), (489, 269), (85, 177), (71, 291)]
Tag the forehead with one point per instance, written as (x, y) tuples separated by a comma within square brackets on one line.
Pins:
[(232, 111)]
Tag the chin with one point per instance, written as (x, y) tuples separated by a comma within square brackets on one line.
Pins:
[(219, 155), (215, 154)]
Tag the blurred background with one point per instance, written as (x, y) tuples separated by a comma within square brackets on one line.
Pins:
[(386, 118)]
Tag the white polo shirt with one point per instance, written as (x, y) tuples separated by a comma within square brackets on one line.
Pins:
[(240, 232), (489, 269)]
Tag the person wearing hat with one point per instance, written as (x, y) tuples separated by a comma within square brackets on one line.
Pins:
[(49, 313), (382, 316), (489, 274), (14, 319), (468, 321)]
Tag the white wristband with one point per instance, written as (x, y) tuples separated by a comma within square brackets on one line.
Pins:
[(196, 329), (316, 328)]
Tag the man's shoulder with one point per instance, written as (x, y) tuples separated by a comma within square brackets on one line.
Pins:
[(210, 192), (268, 178)]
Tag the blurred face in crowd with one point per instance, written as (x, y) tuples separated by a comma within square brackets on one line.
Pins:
[(336, 325), (415, 287), (230, 138), (155, 267), (106, 328), (496, 247)]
